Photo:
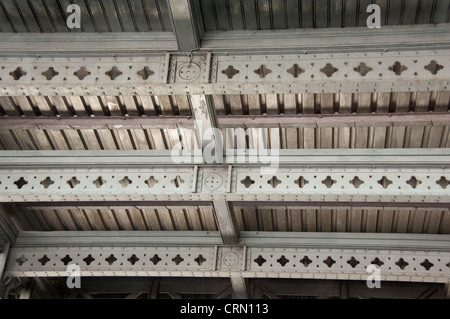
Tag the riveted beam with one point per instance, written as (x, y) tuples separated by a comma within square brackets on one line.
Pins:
[(3, 258), (226, 221), (240, 287), (371, 176), (208, 134), (187, 23), (330, 40), (230, 121), (385, 158), (258, 255), (278, 72), (90, 44)]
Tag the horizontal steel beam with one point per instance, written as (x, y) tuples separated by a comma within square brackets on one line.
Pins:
[(278, 72), (237, 204), (285, 157), (86, 44), (330, 40), (121, 238), (423, 258), (229, 121), (401, 176), (138, 205), (335, 120), (298, 40), (314, 240)]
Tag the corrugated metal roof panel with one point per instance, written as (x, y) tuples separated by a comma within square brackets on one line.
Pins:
[(123, 218), (293, 14), (96, 16), (129, 138), (234, 104), (252, 138), (250, 218), (373, 220)]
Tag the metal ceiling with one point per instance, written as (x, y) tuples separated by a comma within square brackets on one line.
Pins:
[(46, 101), (226, 104), (372, 220), (123, 218), (42, 138), (284, 138), (49, 16), (293, 14), (257, 218)]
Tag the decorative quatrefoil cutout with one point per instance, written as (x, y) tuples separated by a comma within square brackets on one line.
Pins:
[(73, 182), (377, 262), (328, 182), (230, 71), (329, 261), (247, 182), (413, 182), (50, 73), (356, 182), (402, 263), (353, 262), (111, 259), (200, 260), (274, 182), (66, 260), (89, 259), (443, 182), (177, 259), (283, 261), (145, 73), (21, 260), (125, 181), (177, 181), (44, 260), (99, 182), (262, 71), (306, 261), (427, 264), (295, 70), (47, 182), (363, 69), (301, 182), (155, 259), (82, 73), (18, 73), (133, 259), (398, 68), (20, 182), (151, 181), (260, 260), (433, 67), (114, 73), (384, 182), (329, 70)]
